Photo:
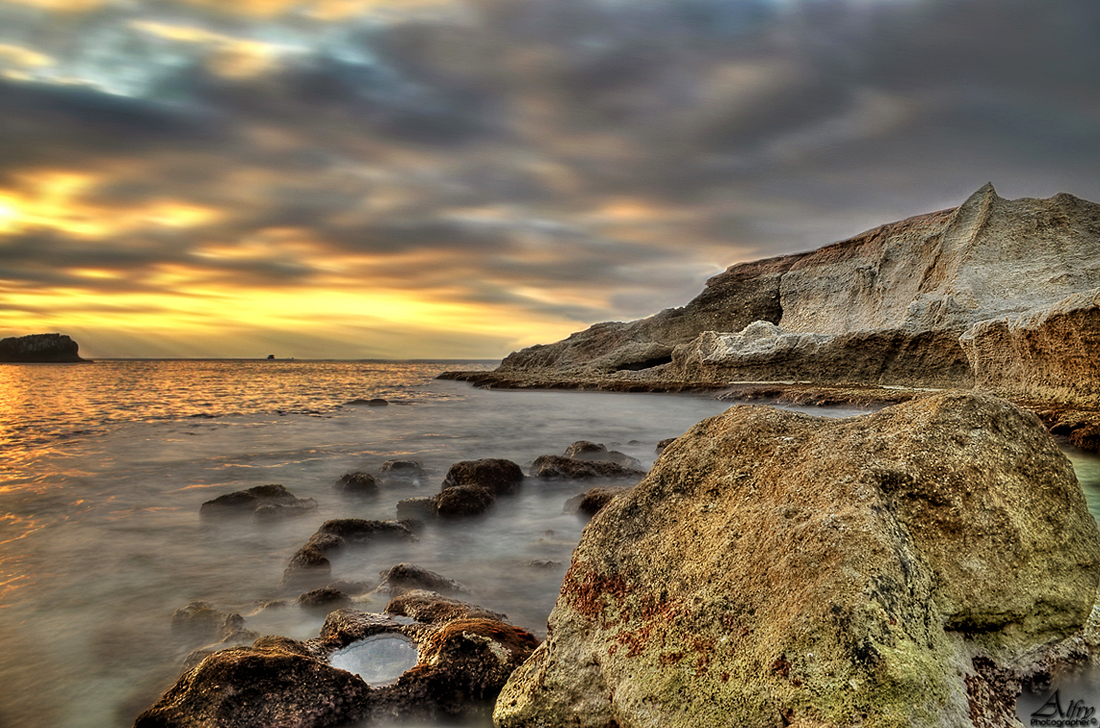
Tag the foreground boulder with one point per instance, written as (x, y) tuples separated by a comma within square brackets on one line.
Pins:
[(905, 568)]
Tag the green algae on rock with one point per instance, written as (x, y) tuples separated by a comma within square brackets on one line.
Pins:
[(903, 568)]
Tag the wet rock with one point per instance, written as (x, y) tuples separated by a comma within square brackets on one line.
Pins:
[(661, 445), (462, 668), (200, 623), (416, 508), (264, 502), (357, 483), (276, 682), (593, 500), (496, 475), (431, 607), (375, 402), (403, 577), (324, 599), (557, 466), (1086, 438), (779, 568), (463, 500), (548, 564), (585, 450), (401, 469), (310, 566)]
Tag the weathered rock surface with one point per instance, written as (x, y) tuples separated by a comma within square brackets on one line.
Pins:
[(593, 500), (403, 577), (904, 568), (357, 483), (558, 466), (497, 475), (264, 502), (431, 607), (462, 663), (44, 348), (585, 450), (996, 294), (310, 566)]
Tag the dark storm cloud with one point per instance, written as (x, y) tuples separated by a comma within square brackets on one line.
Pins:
[(493, 138)]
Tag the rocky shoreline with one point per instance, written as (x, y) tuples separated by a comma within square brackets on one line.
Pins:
[(1080, 426), (920, 566)]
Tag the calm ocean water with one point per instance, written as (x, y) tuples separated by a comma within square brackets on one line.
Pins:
[(105, 465)]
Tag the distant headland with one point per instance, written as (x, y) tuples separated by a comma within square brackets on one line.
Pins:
[(44, 348)]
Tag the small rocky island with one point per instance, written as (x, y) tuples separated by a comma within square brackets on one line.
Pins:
[(40, 348), (997, 295)]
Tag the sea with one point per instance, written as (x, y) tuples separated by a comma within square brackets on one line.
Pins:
[(104, 467)]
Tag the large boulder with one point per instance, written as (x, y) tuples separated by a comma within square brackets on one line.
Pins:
[(903, 568)]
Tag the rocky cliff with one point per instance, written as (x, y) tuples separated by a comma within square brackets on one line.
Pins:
[(48, 348), (998, 294)]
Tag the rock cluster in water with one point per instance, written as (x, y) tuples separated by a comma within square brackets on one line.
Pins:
[(910, 567), (1000, 295), (45, 348)]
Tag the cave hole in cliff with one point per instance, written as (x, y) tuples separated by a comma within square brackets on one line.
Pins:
[(637, 366)]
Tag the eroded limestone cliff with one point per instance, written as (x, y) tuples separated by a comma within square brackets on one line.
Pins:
[(999, 294)]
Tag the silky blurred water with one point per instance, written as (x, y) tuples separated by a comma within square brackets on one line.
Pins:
[(104, 467)]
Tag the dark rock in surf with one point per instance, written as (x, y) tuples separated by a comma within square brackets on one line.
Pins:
[(585, 450), (496, 475), (357, 483), (324, 599), (39, 348), (593, 500), (265, 502), (416, 509), (401, 471), (309, 566), (403, 577), (557, 466), (430, 607), (663, 444), (463, 500), (376, 402)]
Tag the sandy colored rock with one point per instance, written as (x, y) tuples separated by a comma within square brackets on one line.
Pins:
[(896, 569)]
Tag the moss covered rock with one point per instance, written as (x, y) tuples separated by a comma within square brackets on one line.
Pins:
[(776, 568)]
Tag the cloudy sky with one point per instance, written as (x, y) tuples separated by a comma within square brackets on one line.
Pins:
[(461, 178)]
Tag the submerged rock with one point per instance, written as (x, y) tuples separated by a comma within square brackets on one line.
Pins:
[(357, 483), (463, 500), (585, 450), (593, 500), (310, 566), (431, 607), (558, 466), (403, 577), (263, 502), (904, 568)]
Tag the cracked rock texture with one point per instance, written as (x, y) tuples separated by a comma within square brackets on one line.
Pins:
[(905, 568)]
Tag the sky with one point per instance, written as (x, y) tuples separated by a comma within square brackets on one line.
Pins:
[(347, 179)]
